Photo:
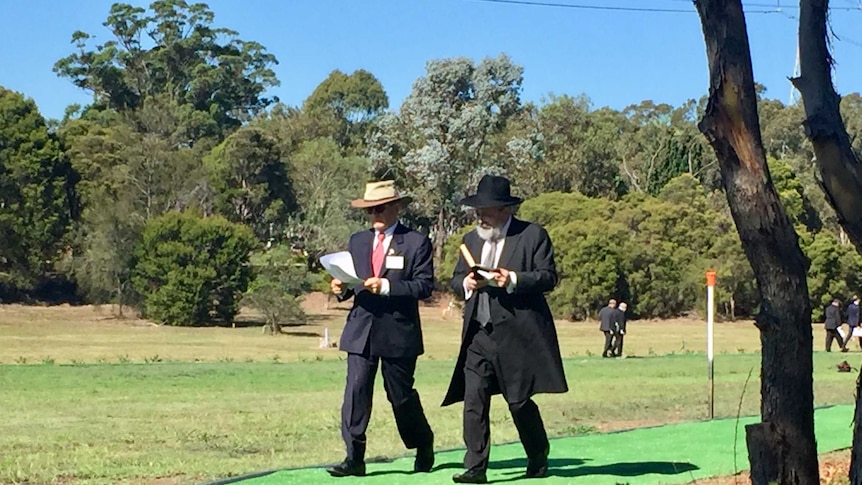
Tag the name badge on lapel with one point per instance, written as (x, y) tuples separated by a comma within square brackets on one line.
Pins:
[(394, 262)]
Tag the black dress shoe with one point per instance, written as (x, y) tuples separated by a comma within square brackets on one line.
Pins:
[(470, 476), (538, 468), (537, 471), (424, 459), (347, 468)]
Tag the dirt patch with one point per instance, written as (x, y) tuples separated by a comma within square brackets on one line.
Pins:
[(834, 470)]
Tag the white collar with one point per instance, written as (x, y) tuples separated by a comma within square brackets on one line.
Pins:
[(389, 230)]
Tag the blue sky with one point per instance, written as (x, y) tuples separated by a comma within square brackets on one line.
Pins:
[(616, 58)]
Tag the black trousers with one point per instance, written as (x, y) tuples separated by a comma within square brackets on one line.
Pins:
[(406, 405), (618, 344), (833, 334), (609, 343), (481, 376)]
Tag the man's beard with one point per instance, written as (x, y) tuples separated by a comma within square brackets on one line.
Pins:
[(488, 233)]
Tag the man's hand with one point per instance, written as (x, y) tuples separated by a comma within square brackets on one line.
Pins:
[(501, 276), (336, 286), (373, 284), (472, 284)]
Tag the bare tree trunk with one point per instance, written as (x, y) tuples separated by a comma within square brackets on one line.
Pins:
[(839, 167), (855, 458), (732, 127), (439, 238), (732, 308)]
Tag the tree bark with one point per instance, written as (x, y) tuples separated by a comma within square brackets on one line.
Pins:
[(855, 458), (732, 308), (764, 463), (840, 169), (732, 127), (439, 238)]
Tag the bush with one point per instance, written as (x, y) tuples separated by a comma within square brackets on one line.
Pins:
[(653, 252), (281, 278), (192, 270)]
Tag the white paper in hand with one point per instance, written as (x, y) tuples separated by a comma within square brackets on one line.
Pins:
[(340, 266)]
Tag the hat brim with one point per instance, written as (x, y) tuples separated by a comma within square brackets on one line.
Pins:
[(364, 204), (481, 200)]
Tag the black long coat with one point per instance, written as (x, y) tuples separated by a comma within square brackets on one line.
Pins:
[(524, 332), (389, 326)]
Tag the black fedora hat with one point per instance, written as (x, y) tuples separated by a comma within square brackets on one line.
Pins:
[(493, 191)]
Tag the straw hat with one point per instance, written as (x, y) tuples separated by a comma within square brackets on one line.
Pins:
[(379, 193)]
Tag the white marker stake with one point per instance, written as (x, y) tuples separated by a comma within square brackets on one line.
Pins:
[(710, 315)]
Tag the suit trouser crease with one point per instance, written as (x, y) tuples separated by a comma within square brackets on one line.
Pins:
[(406, 405), (481, 376)]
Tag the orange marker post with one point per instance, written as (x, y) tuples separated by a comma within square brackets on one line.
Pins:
[(710, 316)]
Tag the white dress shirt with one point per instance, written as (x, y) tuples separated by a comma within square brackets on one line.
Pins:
[(387, 241), (486, 248)]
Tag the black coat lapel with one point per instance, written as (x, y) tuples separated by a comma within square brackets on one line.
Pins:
[(362, 257), (513, 236), (395, 247)]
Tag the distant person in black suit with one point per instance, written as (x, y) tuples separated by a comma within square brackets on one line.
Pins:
[(853, 322), (607, 319), (619, 329), (832, 323), (383, 326)]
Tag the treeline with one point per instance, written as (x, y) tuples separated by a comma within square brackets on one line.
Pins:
[(185, 191)]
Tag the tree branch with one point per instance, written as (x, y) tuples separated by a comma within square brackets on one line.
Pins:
[(840, 170)]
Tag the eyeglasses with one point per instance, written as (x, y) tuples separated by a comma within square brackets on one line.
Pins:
[(378, 209)]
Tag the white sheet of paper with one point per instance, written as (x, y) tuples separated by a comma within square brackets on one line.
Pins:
[(340, 266)]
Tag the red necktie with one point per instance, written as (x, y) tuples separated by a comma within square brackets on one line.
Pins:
[(377, 255)]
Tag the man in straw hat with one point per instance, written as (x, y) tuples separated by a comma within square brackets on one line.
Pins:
[(509, 343), (383, 325)]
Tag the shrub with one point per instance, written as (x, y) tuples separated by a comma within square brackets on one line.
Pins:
[(281, 278), (192, 270)]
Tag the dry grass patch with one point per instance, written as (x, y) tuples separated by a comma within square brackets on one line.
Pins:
[(88, 334)]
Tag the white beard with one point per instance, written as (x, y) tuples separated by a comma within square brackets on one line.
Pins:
[(489, 233)]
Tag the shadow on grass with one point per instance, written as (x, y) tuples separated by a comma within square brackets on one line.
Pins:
[(624, 469), (515, 463), (568, 467)]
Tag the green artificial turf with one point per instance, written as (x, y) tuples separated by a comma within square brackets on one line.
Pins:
[(669, 454)]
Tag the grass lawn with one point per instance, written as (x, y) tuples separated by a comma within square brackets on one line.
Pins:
[(93, 400)]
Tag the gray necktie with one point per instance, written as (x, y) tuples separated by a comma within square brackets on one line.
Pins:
[(483, 304)]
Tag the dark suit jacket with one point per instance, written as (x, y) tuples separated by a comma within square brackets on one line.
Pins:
[(607, 317), (833, 317), (853, 315), (523, 327), (619, 320), (389, 326)]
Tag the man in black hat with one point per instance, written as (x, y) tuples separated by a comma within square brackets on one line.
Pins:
[(509, 343), (383, 326)]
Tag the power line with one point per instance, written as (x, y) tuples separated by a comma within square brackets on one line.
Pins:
[(590, 7), (764, 8)]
